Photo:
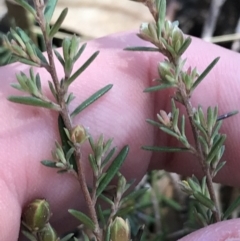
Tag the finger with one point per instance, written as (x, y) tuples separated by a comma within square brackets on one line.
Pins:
[(222, 231)]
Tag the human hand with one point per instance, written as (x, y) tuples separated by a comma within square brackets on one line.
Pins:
[(28, 134)]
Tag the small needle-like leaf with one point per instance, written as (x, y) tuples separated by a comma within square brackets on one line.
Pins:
[(112, 170), (158, 87), (58, 23), (185, 45), (29, 100), (83, 218), (25, 5), (204, 74), (49, 10), (81, 69), (164, 148), (91, 99), (140, 48)]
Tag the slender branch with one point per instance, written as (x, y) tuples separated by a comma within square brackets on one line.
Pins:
[(200, 155), (61, 92)]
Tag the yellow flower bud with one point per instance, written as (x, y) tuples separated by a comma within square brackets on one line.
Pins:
[(78, 134), (120, 230)]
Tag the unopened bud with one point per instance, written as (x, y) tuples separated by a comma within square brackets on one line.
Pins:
[(119, 230), (36, 215), (79, 134), (48, 234)]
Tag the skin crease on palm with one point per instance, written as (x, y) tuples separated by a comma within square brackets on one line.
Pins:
[(27, 134)]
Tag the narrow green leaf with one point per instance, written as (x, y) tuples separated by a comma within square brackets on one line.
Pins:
[(93, 164), (26, 40), (81, 69), (59, 57), (106, 199), (49, 163), (158, 87), (171, 203), (134, 195), (204, 200), (154, 123), (17, 86), (22, 80), (202, 210), (58, 23), (91, 99), (67, 237), (69, 154), (23, 35), (162, 12), (52, 88), (184, 47), (216, 129), (175, 119), (107, 234), (112, 170), (200, 218), (183, 126), (148, 49), (126, 210), (17, 38), (74, 46), (101, 216), (91, 142), (40, 54), (49, 10), (64, 141), (139, 234), (210, 119), (216, 147), (108, 157), (25, 5), (204, 144), (29, 235), (26, 61), (83, 218), (168, 131), (85, 237), (38, 83), (219, 166), (194, 184), (229, 114), (70, 98), (204, 73), (80, 51), (164, 148), (29, 100), (231, 208)]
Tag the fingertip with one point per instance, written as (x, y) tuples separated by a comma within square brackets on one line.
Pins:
[(222, 231)]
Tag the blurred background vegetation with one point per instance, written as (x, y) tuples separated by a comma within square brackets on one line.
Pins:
[(164, 209)]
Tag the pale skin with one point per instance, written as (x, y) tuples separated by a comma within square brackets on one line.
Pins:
[(27, 134)]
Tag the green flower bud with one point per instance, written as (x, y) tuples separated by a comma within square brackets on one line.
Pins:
[(166, 72), (119, 230), (121, 185), (36, 215), (48, 234)]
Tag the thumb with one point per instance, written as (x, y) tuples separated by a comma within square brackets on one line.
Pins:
[(222, 231)]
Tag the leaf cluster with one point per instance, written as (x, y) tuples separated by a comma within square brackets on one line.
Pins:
[(208, 144)]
